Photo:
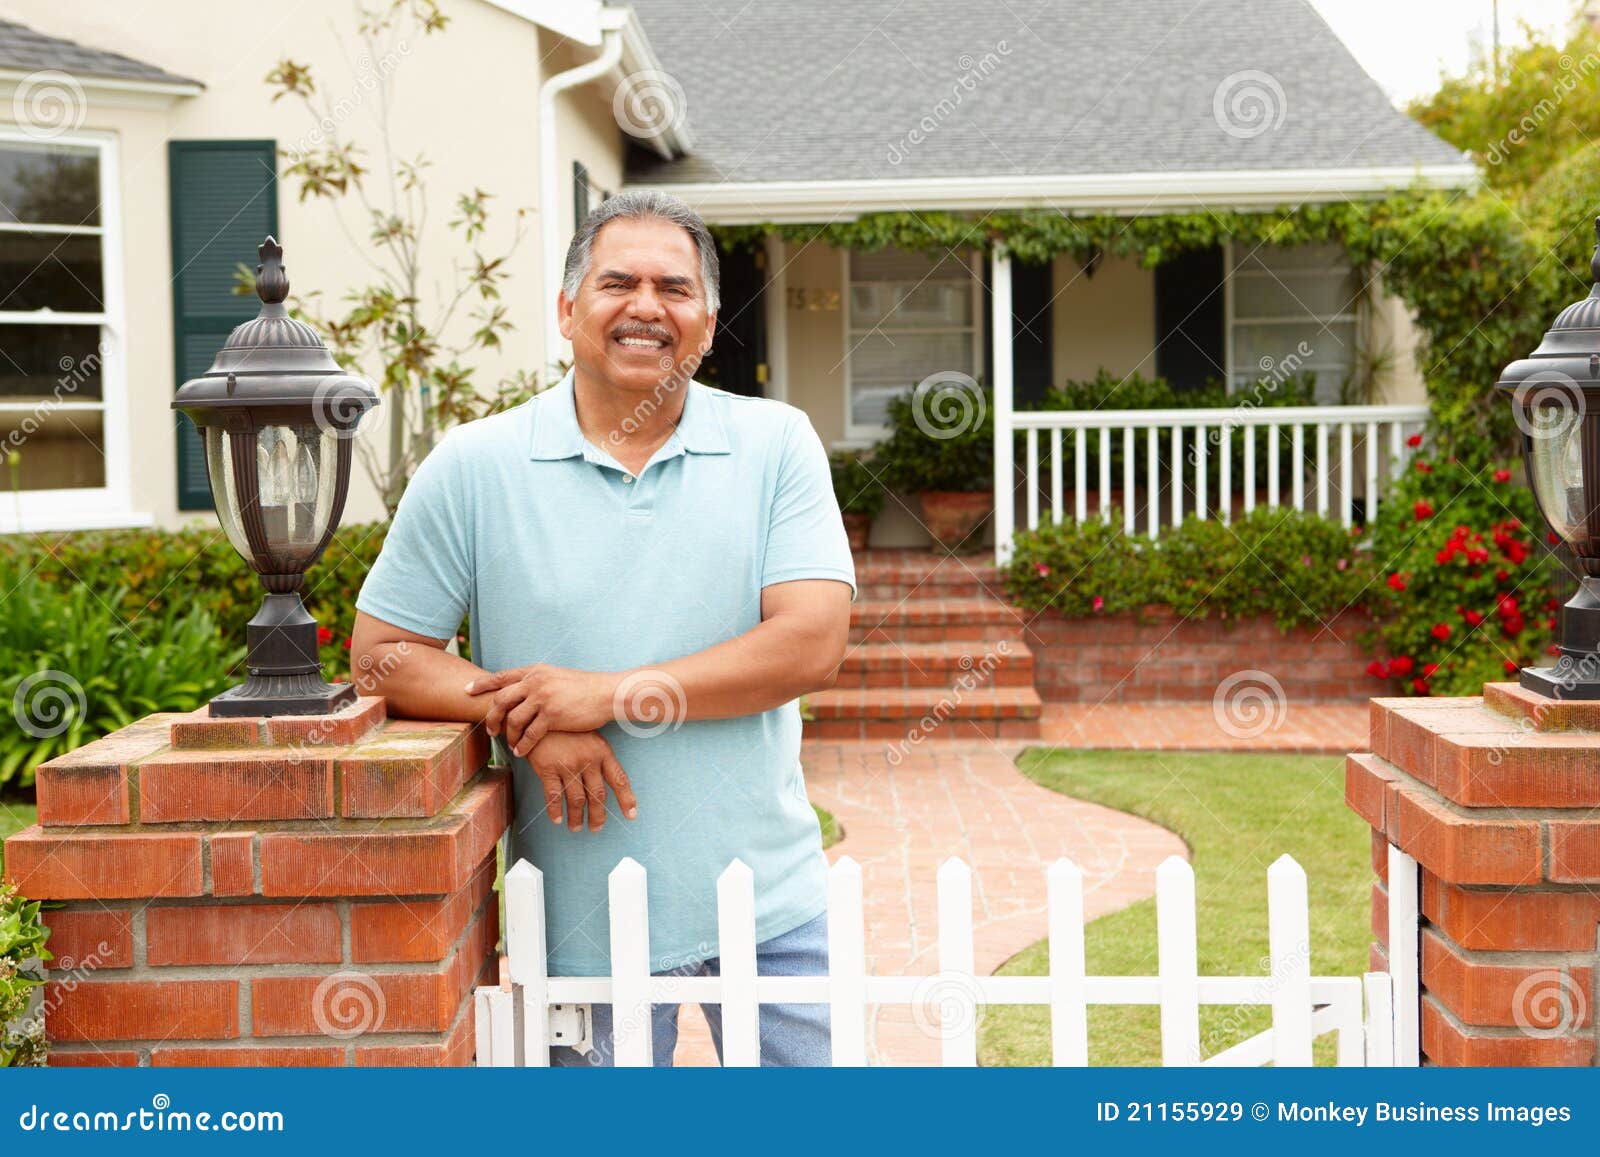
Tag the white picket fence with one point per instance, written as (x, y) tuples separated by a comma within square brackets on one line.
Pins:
[(1373, 1017), (1178, 445)]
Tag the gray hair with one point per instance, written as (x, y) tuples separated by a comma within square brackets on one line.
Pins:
[(640, 205)]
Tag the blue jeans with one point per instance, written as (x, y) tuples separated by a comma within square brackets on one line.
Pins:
[(791, 1034)]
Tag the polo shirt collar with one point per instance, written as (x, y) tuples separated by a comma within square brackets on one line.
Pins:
[(556, 433)]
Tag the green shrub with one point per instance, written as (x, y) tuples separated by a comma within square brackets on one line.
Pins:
[(940, 439), (1467, 583), (22, 939), (141, 621), (855, 485), (1299, 568)]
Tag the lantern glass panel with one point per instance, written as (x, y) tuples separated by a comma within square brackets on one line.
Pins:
[(1557, 462), (297, 478)]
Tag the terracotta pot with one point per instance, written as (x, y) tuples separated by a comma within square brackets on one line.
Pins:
[(952, 515), (856, 528)]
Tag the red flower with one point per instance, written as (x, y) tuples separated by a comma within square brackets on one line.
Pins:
[(1552, 604), (1553, 538), (1396, 582), (1502, 476), (1441, 631), (1550, 624), (1377, 670), (1423, 509), (1511, 668), (1501, 575), (1553, 649), (1473, 618), (1420, 686), (347, 644), (1513, 625), (1414, 440), (324, 636), (1428, 669), (1401, 665), (1098, 602), (1424, 467), (1044, 571)]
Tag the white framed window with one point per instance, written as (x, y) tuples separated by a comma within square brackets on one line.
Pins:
[(906, 315), (64, 461), (1293, 310)]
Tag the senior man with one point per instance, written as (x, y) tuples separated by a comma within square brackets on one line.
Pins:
[(655, 571)]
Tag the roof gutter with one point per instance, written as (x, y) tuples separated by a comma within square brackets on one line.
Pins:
[(549, 187), (110, 91), (1130, 194)]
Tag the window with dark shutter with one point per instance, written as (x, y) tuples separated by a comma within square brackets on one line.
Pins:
[(224, 201)]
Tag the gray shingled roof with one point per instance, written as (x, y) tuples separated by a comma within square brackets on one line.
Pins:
[(830, 89), (23, 49)]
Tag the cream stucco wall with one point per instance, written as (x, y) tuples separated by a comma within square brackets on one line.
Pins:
[(1103, 321), (467, 98), (816, 336)]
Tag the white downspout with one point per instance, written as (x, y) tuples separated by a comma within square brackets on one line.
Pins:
[(549, 186)]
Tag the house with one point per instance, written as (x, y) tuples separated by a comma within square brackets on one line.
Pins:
[(763, 112)]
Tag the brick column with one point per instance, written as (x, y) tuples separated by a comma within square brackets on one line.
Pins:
[(287, 891), (1498, 799)]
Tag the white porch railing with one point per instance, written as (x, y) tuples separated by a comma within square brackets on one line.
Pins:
[(1320, 458), (1373, 1017)]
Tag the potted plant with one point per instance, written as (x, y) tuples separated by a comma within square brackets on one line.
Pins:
[(860, 494), (941, 448)]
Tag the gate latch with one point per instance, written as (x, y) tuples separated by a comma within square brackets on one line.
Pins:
[(571, 1026)]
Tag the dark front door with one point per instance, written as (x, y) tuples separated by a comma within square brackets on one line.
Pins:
[(738, 358)]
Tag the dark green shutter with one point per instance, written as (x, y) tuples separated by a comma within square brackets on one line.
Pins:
[(1190, 319), (224, 201), (580, 194)]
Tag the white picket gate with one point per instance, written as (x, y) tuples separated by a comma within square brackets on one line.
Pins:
[(1373, 1017)]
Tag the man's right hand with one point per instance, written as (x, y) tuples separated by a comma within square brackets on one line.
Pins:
[(577, 766)]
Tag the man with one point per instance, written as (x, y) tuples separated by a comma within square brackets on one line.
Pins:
[(655, 572)]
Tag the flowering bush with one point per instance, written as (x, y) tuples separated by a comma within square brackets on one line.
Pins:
[(1469, 580), (1299, 568)]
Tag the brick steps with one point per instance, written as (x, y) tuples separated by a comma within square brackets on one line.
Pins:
[(933, 620), (891, 574), (924, 713), (936, 664)]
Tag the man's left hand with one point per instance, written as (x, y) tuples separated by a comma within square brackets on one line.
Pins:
[(529, 701)]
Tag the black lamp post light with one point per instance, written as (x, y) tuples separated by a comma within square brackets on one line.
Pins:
[(277, 416), (1555, 396)]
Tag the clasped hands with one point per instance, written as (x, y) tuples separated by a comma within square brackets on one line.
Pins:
[(552, 715)]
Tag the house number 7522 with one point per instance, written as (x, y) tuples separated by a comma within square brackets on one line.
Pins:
[(813, 299)]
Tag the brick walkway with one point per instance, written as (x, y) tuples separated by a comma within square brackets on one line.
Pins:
[(1310, 728), (967, 800)]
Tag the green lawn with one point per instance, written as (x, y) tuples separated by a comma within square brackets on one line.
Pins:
[(1237, 813)]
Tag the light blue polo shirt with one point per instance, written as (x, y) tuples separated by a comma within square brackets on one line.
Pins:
[(561, 556)]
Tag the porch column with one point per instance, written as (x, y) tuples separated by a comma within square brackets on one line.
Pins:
[(1000, 327)]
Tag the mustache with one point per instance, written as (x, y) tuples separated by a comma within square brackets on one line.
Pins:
[(641, 329)]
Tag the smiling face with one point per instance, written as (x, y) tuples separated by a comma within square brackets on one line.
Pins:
[(640, 314)]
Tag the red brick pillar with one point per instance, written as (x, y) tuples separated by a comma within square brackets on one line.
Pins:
[(1498, 799), (288, 891)]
